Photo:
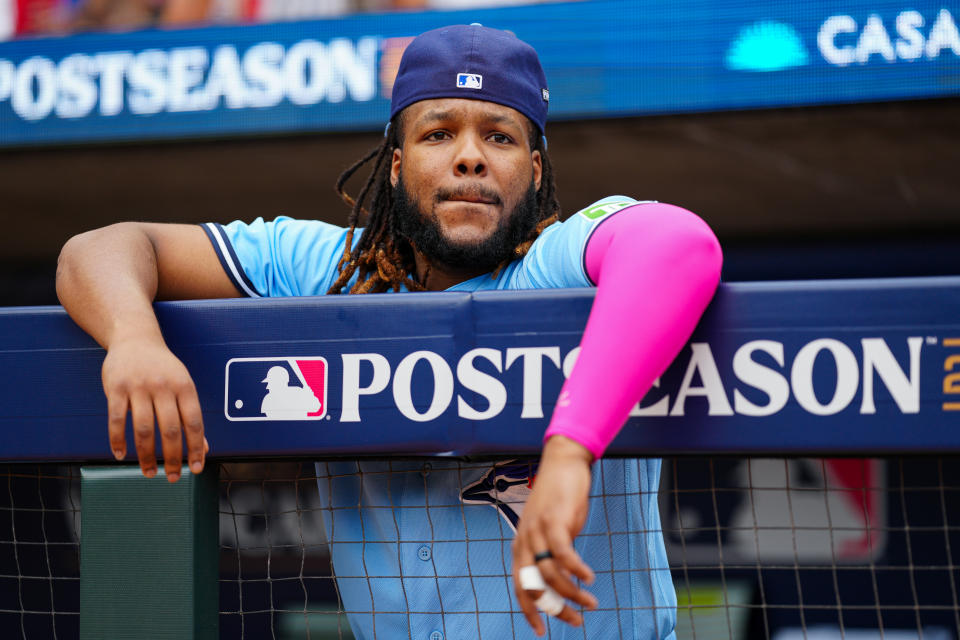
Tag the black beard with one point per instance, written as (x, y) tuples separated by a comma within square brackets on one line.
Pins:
[(422, 228)]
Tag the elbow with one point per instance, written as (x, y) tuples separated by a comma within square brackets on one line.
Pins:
[(78, 249), (687, 243), (698, 258), (75, 245), (704, 253), (66, 263), (686, 254)]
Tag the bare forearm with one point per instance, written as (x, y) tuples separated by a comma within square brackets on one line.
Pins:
[(107, 281)]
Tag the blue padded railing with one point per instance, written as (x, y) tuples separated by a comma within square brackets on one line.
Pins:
[(842, 366)]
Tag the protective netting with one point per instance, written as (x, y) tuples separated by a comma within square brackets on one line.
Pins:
[(814, 548), (758, 548), (39, 551)]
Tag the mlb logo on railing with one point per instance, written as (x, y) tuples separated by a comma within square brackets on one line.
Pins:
[(275, 389), (804, 510)]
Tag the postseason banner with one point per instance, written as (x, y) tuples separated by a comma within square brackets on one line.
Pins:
[(834, 367), (602, 58)]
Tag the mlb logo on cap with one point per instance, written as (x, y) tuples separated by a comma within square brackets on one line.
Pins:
[(469, 80), (275, 389)]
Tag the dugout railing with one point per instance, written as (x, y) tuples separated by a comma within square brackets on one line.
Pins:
[(835, 378)]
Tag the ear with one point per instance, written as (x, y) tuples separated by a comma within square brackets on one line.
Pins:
[(395, 166), (537, 168)]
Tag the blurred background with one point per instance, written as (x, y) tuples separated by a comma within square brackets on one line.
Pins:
[(819, 139)]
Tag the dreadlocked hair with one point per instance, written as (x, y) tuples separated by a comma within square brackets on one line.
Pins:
[(383, 259)]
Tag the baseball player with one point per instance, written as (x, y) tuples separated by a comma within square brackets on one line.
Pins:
[(461, 196), (284, 402)]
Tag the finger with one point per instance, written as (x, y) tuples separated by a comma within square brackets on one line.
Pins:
[(522, 557), (560, 583), (171, 434), (570, 615), (117, 404), (141, 408), (557, 580), (548, 601), (192, 419), (566, 557), (556, 571), (526, 600)]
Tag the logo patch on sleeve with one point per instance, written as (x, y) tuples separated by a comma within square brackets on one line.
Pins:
[(598, 211)]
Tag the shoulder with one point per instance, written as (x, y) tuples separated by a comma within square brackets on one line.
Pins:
[(284, 256), (580, 224), (556, 257), (285, 229)]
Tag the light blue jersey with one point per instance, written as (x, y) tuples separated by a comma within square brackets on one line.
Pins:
[(421, 550)]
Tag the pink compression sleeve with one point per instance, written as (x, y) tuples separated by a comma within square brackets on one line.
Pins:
[(656, 267)]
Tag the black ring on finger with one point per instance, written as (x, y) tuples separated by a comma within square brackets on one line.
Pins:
[(543, 555)]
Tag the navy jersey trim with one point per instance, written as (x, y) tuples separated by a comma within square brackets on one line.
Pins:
[(229, 260)]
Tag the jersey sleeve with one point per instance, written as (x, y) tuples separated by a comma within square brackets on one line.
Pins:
[(282, 257), (558, 257)]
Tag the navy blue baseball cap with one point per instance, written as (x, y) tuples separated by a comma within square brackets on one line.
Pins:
[(475, 62)]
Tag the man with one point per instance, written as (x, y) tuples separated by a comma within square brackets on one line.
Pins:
[(284, 401), (461, 197)]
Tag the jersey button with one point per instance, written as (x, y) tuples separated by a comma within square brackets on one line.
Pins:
[(424, 554), (436, 635), (425, 471)]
